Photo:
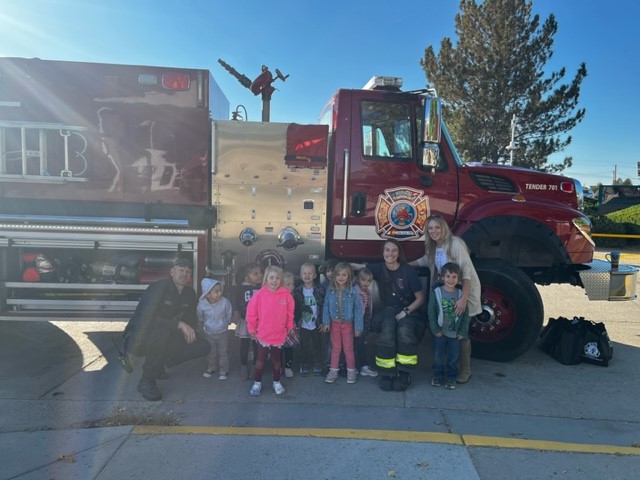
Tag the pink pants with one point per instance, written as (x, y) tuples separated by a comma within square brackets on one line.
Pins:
[(341, 334)]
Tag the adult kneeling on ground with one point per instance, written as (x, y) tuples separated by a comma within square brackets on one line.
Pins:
[(162, 328)]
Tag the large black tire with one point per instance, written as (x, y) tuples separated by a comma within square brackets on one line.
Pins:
[(512, 312)]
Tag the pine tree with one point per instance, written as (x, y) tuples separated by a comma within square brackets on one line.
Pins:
[(496, 70)]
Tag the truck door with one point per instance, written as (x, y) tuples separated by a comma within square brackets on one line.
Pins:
[(379, 190)]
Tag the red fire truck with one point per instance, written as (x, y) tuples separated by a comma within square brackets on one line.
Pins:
[(379, 162)]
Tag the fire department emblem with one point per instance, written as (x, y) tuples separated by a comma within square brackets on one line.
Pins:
[(402, 213)]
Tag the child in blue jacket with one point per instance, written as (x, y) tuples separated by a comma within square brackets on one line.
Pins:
[(342, 318)]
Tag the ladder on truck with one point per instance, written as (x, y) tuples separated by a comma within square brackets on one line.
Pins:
[(25, 147)]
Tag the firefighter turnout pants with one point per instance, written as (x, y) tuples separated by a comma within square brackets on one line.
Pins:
[(397, 342)]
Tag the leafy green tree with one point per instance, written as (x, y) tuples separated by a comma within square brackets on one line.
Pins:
[(496, 70)]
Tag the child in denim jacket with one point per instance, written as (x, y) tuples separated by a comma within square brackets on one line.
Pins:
[(342, 318)]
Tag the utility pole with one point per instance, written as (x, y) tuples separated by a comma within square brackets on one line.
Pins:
[(512, 146), (615, 174)]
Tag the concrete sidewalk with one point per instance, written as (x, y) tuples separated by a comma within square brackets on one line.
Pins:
[(239, 453), (505, 421)]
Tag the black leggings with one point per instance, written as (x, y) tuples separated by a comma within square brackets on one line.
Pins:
[(287, 354)]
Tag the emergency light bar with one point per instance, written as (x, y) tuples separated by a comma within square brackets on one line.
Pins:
[(379, 82)]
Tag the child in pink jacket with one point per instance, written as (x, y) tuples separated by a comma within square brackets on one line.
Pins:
[(269, 319)]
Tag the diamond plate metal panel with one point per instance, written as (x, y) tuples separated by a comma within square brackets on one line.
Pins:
[(601, 283)]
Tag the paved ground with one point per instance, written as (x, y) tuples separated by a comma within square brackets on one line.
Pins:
[(68, 411)]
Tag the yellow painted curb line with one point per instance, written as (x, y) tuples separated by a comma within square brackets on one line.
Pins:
[(504, 442), (391, 435), (361, 434)]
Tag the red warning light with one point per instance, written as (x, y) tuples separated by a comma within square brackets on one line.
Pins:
[(176, 81)]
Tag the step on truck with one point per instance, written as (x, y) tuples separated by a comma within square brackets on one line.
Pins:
[(107, 171)]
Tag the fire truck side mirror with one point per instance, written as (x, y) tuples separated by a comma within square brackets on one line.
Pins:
[(431, 132), (432, 115)]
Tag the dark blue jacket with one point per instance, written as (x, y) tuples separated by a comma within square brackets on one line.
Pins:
[(162, 306)]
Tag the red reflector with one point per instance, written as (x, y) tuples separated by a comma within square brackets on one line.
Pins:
[(176, 81), (566, 187)]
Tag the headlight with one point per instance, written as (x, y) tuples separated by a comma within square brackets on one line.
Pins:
[(583, 224)]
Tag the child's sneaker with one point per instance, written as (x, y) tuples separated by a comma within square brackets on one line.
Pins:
[(223, 376), (288, 372), (352, 375), (278, 388), (256, 388), (304, 370), (437, 381), (332, 376), (368, 372), (451, 384), (317, 371), (209, 373)]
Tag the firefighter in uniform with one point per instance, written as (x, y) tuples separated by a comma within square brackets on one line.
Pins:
[(163, 328), (400, 323)]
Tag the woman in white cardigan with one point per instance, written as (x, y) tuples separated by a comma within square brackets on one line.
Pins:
[(441, 246)]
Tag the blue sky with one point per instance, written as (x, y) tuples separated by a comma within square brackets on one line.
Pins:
[(332, 44)]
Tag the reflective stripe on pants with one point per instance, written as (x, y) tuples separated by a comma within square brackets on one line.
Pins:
[(406, 359), (387, 363)]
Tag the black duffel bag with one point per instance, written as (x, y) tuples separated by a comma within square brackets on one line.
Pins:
[(577, 340)]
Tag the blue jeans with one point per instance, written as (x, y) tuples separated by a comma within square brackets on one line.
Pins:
[(446, 351)]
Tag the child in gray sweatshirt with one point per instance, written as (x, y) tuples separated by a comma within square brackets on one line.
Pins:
[(214, 315)]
